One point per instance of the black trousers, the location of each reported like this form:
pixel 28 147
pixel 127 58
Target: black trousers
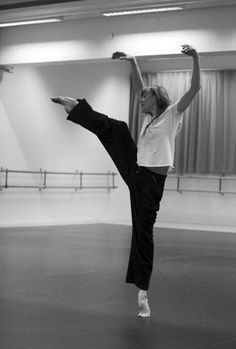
pixel 145 187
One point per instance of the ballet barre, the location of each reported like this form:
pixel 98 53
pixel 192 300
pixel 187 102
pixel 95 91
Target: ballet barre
pixel 219 184
pixel 43 178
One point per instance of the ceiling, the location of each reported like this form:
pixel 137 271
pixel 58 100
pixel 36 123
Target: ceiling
pixel 83 9
pixel 15 10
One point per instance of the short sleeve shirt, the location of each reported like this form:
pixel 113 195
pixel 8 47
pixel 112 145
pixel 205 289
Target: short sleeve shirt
pixel 156 145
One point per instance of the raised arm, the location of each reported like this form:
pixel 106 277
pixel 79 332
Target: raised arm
pixel 188 97
pixel 136 74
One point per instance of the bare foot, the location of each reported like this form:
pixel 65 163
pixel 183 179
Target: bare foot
pixel 143 304
pixel 68 102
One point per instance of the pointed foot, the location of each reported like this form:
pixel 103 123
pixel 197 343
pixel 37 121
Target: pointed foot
pixel 58 100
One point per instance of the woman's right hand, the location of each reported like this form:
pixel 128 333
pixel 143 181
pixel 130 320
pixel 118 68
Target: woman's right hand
pixel 122 56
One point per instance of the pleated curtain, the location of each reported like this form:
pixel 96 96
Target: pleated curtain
pixel 207 142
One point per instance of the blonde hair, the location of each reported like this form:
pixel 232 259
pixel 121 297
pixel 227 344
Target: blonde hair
pixel 162 96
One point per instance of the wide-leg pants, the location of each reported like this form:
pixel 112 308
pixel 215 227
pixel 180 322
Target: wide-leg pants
pixel 145 187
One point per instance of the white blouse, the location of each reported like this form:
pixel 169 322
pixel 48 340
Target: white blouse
pixel 156 145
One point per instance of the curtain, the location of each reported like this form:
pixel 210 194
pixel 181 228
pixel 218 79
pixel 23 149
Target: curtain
pixel 207 142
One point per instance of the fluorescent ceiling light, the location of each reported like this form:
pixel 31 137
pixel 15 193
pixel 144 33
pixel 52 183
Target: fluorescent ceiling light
pixel 35 21
pixel 136 12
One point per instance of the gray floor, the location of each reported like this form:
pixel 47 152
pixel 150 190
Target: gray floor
pixel 63 287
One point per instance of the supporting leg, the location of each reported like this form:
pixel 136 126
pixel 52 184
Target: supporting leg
pixel 145 193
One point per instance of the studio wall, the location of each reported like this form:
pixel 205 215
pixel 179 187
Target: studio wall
pixel 34 132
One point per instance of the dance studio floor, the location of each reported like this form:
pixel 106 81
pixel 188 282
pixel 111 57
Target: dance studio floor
pixel 63 287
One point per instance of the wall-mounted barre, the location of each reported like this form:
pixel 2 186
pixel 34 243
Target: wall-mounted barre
pixel 180 182
pixel 43 178
pixel 218 184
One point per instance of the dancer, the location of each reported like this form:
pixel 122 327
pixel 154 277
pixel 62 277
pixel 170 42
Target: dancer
pixel 143 168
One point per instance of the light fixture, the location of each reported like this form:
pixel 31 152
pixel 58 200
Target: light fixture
pixel 35 21
pixel 136 12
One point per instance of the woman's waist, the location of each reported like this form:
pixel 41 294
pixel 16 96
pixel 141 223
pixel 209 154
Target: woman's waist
pixel 158 169
pixel 147 171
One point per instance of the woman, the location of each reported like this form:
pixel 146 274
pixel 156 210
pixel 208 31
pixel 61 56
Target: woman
pixel 144 169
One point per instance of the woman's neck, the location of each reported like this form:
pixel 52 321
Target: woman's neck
pixel 157 113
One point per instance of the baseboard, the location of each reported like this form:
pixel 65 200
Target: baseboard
pixel 194 226
pixel 172 225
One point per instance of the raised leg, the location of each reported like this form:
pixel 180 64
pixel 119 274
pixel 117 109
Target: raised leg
pixel 113 134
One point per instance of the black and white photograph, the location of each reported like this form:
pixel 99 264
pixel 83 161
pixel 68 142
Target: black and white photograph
pixel 118 174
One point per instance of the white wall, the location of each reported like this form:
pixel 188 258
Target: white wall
pixel 34 133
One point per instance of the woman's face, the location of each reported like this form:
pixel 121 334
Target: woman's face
pixel 148 101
